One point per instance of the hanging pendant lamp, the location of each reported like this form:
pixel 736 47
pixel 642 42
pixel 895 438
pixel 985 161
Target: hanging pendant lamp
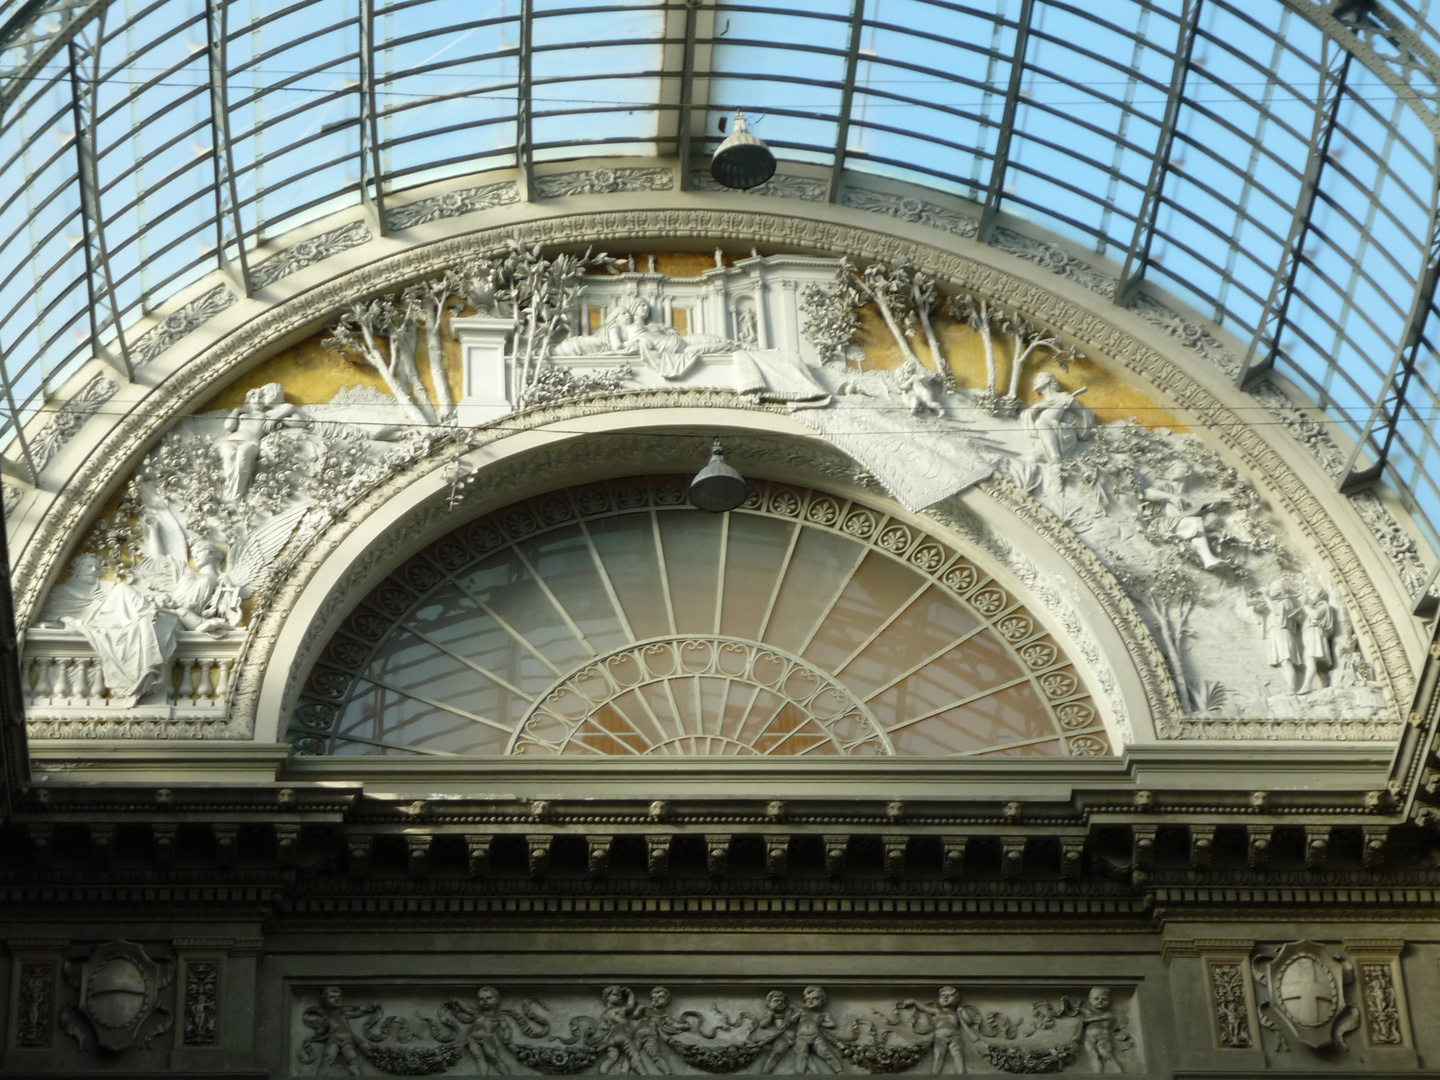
pixel 718 487
pixel 742 160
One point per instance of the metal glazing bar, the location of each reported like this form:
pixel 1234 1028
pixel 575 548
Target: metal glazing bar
pixel 1425 603
pixel 524 111
pixel 227 199
pixel 687 93
pixel 84 100
pixel 40 50
pixel 1334 71
pixel 372 180
pixel 1138 256
pixel 1385 415
pixel 996 190
pixel 847 97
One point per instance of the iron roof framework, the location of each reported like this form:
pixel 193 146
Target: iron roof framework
pixel 1272 162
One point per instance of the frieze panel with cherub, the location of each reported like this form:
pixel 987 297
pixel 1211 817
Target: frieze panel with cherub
pixel 487 1030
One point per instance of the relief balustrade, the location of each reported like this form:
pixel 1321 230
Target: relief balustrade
pixel 64 678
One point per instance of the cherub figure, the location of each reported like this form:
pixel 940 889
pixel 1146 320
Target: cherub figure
pixel 917 388
pixel 1103 1037
pixel 329 1023
pixel 780 1016
pixel 618 1021
pixel 656 1025
pixel 945 1028
pixel 486 1027
pixel 811 1024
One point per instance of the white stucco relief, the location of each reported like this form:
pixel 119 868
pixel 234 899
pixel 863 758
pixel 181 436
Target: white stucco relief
pixel 1192 543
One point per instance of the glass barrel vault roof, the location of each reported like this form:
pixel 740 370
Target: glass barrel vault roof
pixel 1232 152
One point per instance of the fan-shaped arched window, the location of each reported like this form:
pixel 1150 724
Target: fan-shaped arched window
pixel 615 619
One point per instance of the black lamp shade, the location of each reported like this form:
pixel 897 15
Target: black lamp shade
pixel 742 160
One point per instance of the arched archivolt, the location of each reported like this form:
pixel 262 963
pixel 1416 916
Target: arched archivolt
pixel 615 619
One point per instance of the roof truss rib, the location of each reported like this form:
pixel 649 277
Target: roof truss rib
pixel 687 93
pixel 227 199
pixel 525 105
pixel 85 92
pixel 847 97
pixel 1270 328
pixel 372 179
pixel 996 191
pixel 1378 436
pixel 1137 258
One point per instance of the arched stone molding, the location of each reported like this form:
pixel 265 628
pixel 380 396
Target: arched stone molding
pixel 91 467
pixel 539 451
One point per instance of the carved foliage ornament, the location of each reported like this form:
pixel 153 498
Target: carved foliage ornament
pixel 202 989
pixel 119 997
pixel 1231 1012
pixel 1302 988
pixel 37 999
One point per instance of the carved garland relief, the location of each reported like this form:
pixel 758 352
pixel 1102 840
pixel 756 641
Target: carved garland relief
pixel 1208 540
pixel 715 1030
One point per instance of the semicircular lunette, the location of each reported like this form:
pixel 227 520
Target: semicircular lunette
pixel 613 619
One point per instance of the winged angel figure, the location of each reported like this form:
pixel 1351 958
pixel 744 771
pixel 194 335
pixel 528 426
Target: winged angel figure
pixel 204 596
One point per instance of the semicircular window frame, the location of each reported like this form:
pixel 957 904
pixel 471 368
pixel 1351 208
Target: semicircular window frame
pixel 843 725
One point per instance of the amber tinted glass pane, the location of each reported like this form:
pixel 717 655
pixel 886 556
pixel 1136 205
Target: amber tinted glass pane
pixel 819 570
pixel 878 589
pixel 980 664
pixel 924 629
pixel 1013 715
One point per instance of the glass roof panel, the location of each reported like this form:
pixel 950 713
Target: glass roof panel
pixel 932 81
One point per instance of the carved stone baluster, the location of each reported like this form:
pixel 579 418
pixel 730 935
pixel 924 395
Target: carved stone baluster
pixel 95 676
pixel 222 688
pixel 205 691
pixel 189 683
pixel 39 667
pixel 75 681
pixel 171 682
pixel 60 687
